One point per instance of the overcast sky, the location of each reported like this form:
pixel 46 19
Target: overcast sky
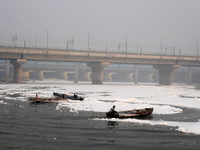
pixel 146 22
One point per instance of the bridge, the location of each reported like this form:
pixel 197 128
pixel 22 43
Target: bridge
pixel 97 61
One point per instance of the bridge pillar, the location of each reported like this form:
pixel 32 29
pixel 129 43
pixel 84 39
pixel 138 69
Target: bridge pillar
pixel 75 72
pixel 17 63
pixel 124 77
pixel 97 71
pixel 190 75
pixel 38 75
pixel 25 75
pixel 180 77
pixel 127 77
pixel 166 73
pixel 136 75
pixel 146 77
pixel 84 76
pixel 107 76
pixel 7 68
pixel 61 74
pixel 195 77
pixel 155 77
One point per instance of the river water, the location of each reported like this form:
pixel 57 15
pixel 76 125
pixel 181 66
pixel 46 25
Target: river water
pixel 174 124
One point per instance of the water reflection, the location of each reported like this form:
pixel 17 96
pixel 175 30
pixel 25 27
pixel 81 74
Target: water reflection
pixel 112 124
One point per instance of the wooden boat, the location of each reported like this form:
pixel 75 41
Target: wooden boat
pixel 47 99
pixel 76 97
pixel 136 113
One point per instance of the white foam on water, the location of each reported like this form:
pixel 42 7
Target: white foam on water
pixel 101 106
pixel 100 98
pixel 2 102
pixel 184 127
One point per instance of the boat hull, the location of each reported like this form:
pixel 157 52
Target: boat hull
pixel 68 96
pixel 136 113
pixel 46 100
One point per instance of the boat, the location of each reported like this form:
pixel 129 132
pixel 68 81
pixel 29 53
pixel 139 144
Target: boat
pixel 73 97
pixel 135 113
pixel 47 99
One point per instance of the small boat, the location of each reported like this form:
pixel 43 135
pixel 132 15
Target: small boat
pixel 136 113
pixel 47 99
pixel 73 97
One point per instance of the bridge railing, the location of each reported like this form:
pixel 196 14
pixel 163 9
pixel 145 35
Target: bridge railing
pixel 96 51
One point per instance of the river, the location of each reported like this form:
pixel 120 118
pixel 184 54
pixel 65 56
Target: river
pixel 174 124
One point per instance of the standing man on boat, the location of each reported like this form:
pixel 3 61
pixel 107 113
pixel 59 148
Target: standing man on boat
pixel 37 96
pixel 64 95
pixel 75 96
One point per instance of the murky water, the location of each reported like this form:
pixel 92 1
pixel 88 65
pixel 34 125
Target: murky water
pixel 83 125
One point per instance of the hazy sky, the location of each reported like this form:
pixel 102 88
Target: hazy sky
pixel 146 22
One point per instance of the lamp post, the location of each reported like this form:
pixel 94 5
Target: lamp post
pixel 166 50
pixel 35 40
pixel 197 49
pixel 47 39
pixel 67 45
pixel 161 45
pixel 126 44
pixel 88 42
pixel 119 47
pixel 14 40
pixel 170 47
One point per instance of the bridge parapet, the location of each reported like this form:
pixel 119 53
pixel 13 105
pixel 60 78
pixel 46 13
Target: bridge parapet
pixel 94 56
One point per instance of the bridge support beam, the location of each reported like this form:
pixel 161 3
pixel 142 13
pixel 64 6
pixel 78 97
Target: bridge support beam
pixel 123 77
pixel 166 73
pixel 17 63
pixel 38 75
pixel 7 68
pixel 97 71
pixel 180 77
pixel 84 76
pixel 146 77
pixel 75 72
pixel 107 76
pixel 190 75
pixel 61 74
pixel 25 75
pixel 136 75
pixel 126 77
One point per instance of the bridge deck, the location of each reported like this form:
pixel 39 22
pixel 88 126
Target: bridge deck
pixel 93 56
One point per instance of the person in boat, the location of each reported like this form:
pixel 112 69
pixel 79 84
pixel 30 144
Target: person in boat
pixel 37 96
pixel 75 96
pixel 64 95
pixel 113 109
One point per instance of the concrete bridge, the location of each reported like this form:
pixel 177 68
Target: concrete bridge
pixel 40 70
pixel 97 61
pixel 65 70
